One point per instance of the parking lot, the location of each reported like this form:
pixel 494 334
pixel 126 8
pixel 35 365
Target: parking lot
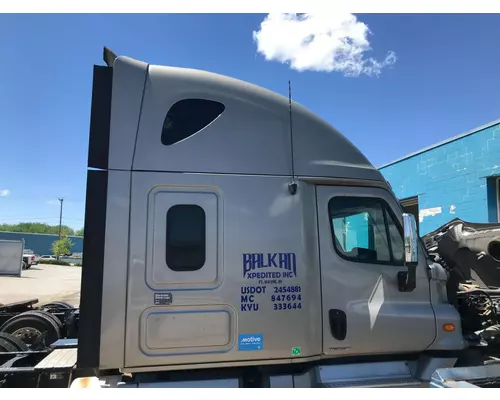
pixel 44 282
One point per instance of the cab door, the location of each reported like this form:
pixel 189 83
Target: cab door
pixel 361 253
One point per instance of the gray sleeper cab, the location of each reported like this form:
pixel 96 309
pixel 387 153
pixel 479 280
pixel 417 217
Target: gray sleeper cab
pixel 198 255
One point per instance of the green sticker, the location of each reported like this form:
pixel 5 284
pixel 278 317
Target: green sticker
pixel 295 351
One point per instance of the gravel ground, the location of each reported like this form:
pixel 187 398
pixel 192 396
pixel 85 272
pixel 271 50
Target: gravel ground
pixel 43 282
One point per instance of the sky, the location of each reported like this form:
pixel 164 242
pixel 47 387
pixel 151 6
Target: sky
pixel 392 84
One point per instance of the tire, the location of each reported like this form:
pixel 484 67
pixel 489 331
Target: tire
pixel 18 343
pixel 7 347
pixel 51 316
pixel 25 266
pixel 30 325
pixel 57 305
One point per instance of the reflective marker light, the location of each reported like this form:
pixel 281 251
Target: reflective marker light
pixel 448 327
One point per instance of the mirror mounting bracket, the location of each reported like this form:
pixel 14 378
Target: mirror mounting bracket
pixel 407 280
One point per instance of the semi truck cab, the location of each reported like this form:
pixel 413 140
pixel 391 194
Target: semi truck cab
pixel 232 232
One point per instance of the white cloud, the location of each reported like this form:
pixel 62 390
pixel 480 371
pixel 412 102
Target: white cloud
pixel 4 193
pixel 319 42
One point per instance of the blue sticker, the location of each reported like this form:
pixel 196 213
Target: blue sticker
pixel 250 342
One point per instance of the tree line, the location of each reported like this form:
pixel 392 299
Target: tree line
pixel 38 227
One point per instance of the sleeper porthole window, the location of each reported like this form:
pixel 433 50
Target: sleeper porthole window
pixel 187 117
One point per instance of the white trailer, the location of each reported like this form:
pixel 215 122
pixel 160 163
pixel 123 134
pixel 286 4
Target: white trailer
pixel 11 257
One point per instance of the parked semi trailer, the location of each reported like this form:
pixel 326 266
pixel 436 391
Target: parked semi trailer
pixel 11 257
pixel 222 248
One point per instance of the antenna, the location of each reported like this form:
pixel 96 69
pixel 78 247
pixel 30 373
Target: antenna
pixel 292 187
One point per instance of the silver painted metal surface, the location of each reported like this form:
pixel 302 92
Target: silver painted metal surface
pixel 345 182
pixel 379 374
pixel 423 368
pixel 237 169
pixel 255 122
pixel 445 312
pixel 393 369
pixel 251 215
pixel 114 290
pixel 11 257
pixel 209 365
pixel 380 318
pixel 376 374
pixel 129 77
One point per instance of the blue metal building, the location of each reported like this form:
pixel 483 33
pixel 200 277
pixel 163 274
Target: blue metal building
pixel 42 243
pixel 456 178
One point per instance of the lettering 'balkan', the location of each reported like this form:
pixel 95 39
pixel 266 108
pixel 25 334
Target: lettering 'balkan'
pixel 284 261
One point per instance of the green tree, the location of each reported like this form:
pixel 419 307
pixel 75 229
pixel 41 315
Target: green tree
pixel 79 232
pixel 36 227
pixel 62 246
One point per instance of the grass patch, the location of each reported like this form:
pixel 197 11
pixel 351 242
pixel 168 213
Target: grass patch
pixel 55 262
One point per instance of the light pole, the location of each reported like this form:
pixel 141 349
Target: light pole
pixel 60 216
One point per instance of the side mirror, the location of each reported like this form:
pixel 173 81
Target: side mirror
pixel 407 280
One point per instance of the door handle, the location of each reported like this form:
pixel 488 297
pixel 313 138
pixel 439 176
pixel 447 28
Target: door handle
pixel 338 323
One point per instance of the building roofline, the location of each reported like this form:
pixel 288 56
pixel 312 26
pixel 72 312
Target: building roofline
pixel 452 139
pixel 40 234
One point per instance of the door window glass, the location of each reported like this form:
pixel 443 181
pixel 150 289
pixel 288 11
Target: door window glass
pixel 364 230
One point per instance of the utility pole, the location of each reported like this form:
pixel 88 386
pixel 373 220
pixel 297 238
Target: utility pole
pixel 60 216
